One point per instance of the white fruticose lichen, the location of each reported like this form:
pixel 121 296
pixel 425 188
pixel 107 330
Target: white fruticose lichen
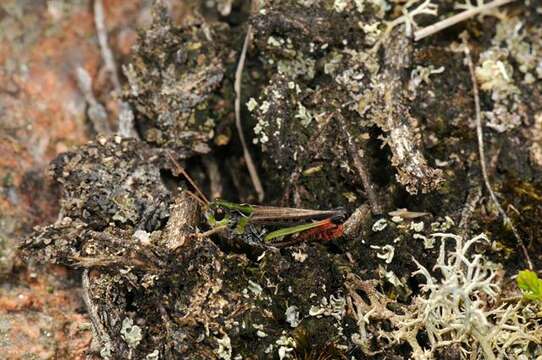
pixel 299 256
pixel 265 107
pixel 524 45
pixel 300 66
pixel 372 31
pixel 333 64
pixel 334 307
pixel 428 242
pixel 417 226
pixel 460 309
pixel 155 355
pixel 442 224
pixel 495 73
pixel 409 13
pixel 516 50
pixel 387 253
pixel 501 119
pixel 422 75
pixel 255 288
pixel 340 5
pixel 131 333
pixel 393 279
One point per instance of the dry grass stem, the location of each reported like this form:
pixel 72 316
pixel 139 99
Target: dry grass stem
pixel 452 20
pixel 96 112
pixel 481 152
pixel 357 158
pixel 126 115
pixel 254 177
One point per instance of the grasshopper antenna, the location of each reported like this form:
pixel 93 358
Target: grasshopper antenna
pixel 199 195
pixel 197 198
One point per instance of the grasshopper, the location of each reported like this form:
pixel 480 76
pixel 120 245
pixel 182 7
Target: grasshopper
pixel 252 223
pixel 304 224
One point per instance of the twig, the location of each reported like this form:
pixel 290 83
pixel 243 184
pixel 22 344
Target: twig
pixel 452 20
pixel 425 8
pixel 473 197
pixel 361 169
pixel 248 158
pixel 181 170
pixel 98 330
pixel 126 115
pixel 208 233
pixel 481 152
pixel 353 227
pixel 107 54
pixel 96 111
pixel 105 262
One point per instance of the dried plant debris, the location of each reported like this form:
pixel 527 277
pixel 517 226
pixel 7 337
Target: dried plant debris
pixel 318 78
pixel 151 287
pixel 394 118
pixel 176 83
pixel 112 184
pixel 113 180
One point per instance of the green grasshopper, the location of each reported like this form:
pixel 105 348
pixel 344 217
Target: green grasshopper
pixel 251 222
pixel 305 223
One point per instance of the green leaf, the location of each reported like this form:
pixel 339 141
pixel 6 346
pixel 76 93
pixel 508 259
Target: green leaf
pixel 530 285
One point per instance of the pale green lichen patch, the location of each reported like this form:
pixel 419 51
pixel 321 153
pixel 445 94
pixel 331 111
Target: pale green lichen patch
pixel 224 350
pixel 131 333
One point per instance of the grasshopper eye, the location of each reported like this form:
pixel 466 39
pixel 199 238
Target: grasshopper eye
pixel 219 214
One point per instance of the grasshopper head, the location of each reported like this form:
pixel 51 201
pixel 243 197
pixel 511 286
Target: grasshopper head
pixel 217 215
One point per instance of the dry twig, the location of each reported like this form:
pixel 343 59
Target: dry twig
pixel 361 169
pixel 248 158
pixel 107 54
pixel 481 153
pixel 126 115
pixel 96 111
pixel 455 19
pixel 99 331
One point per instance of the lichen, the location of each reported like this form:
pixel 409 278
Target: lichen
pixel 131 333
pixel 224 350
pixel 458 308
